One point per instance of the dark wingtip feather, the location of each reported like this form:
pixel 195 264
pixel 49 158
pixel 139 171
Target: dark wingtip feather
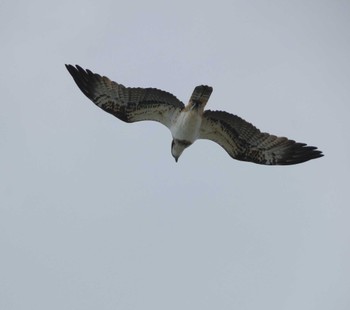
pixel 298 153
pixel 83 78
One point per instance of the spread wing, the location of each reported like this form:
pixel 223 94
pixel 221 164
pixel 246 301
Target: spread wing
pixel 126 103
pixel 243 141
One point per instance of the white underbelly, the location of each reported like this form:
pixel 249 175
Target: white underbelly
pixel 187 125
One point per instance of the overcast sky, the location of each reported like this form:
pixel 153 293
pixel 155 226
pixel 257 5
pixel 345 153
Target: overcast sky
pixel 96 214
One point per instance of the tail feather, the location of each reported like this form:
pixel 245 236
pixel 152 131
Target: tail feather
pixel 201 94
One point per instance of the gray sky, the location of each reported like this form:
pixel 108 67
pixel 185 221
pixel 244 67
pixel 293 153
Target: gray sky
pixel 96 214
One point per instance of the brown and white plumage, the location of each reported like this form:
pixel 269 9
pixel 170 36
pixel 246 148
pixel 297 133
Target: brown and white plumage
pixel 245 142
pixel 240 139
pixel 126 103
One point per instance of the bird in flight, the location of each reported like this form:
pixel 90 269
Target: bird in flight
pixel 187 123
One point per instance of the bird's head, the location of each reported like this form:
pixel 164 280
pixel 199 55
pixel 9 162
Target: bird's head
pixel 177 147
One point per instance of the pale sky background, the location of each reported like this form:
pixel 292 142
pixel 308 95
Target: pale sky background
pixel 96 214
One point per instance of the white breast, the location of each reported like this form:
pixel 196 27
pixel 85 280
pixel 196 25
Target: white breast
pixel 186 126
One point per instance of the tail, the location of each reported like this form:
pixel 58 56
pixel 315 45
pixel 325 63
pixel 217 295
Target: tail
pixel 201 95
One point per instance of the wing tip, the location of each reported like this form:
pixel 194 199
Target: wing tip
pixel 299 153
pixel 83 78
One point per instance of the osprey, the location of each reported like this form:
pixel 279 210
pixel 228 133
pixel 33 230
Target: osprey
pixel 240 139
